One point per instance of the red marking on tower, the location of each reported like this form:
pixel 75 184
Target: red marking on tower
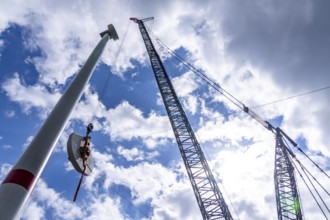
pixel 20 177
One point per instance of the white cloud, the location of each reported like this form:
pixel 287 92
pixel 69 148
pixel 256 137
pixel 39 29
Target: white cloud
pixel 130 154
pixel 47 198
pixel 247 174
pixel 148 182
pixel 126 122
pixel 89 109
pixel 146 175
pixel 33 211
pixel 6 146
pixel 168 193
pixel 104 208
pixel 185 84
pixel 231 132
pixel 29 97
pixel 178 202
pixel 10 113
pixel 191 104
pixel 4 169
pixel 272 50
pixel 135 154
pixel 61 35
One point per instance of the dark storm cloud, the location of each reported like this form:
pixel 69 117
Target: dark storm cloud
pixel 289 39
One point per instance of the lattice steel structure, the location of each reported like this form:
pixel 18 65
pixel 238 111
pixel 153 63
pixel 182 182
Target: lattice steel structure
pixel 207 192
pixel 287 195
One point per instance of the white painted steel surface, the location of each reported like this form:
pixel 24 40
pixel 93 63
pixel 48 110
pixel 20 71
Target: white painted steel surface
pixel 12 195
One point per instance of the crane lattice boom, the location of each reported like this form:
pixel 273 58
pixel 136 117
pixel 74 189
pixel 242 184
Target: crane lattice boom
pixel 287 196
pixel 207 192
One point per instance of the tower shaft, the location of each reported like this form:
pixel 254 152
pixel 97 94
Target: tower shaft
pixel 210 200
pixel 20 181
pixel 287 196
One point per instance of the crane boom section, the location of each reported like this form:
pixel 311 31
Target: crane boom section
pixel 207 192
pixel 287 196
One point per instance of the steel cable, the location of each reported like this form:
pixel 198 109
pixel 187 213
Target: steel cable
pixel 218 88
pixel 309 190
pixel 109 74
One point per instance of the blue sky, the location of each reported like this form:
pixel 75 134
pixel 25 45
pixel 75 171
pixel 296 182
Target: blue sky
pixel 259 51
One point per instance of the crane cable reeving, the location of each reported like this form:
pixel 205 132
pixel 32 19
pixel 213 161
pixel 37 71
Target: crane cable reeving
pixel 303 167
pixel 283 99
pixel 90 125
pixel 304 171
pixel 191 67
pixel 243 107
pixel 203 76
pixel 180 59
pixel 109 74
pixel 316 191
pixel 310 191
pixel 217 87
pixel 291 97
pixel 303 153
pixel 188 65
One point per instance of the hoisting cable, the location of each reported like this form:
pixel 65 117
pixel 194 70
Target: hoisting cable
pixel 304 168
pixel 316 190
pixel 235 101
pixel 205 78
pixel 296 146
pixel 281 100
pixel 109 73
pixel 85 153
pixel 291 97
pixel 310 191
pixel 216 86
pixel 212 83
pixel 284 99
pixel 310 181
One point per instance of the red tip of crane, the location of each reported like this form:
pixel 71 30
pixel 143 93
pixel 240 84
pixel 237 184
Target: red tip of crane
pixel 133 19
